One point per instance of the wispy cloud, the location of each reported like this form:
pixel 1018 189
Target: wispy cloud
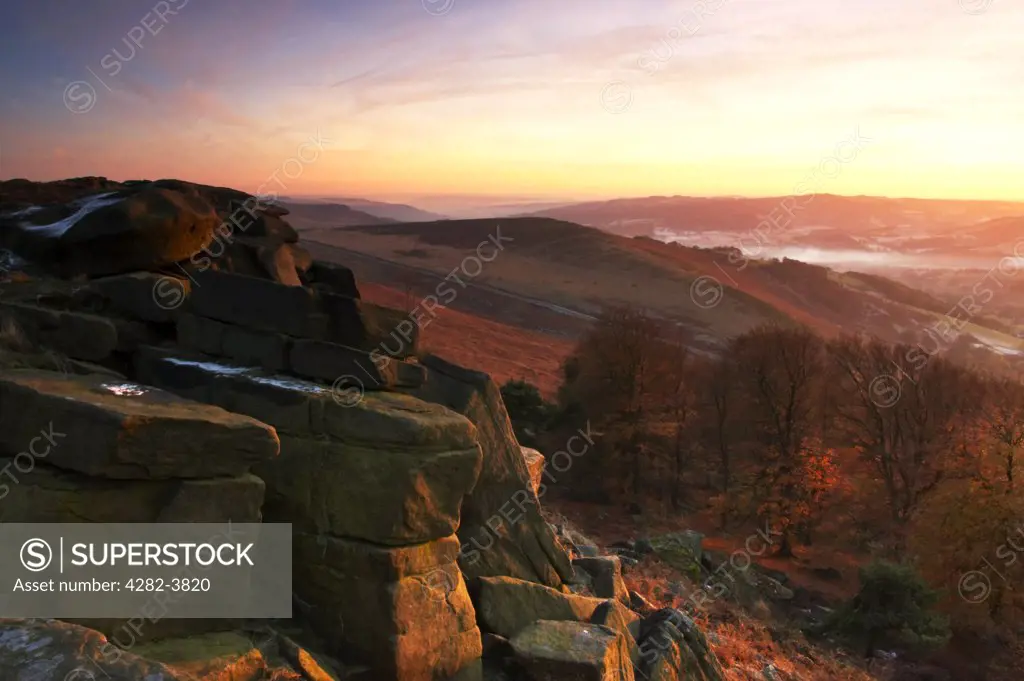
pixel 497 97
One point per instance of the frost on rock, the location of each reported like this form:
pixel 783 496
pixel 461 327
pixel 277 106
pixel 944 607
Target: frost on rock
pixel 86 206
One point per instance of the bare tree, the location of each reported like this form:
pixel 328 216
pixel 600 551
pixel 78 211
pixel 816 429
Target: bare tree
pixel 902 419
pixel 617 373
pixel 680 399
pixel 778 372
pixel 714 402
pixel 1003 417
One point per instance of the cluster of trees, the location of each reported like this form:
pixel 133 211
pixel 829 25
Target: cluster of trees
pixel 897 451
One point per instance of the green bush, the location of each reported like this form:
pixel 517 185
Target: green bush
pixel 529 412
pixel 893 607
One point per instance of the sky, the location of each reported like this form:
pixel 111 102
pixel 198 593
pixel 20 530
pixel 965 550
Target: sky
pixel 525 99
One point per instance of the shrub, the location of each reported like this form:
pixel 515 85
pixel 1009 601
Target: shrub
pixel 894 606
pixel 527 409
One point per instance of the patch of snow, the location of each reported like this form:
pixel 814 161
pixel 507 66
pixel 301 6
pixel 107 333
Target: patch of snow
pixel 86 206
pixel 289 383
pixel 24 211
pixel 223 369
pixel 252 374
pixel 125 389
pixel 16 639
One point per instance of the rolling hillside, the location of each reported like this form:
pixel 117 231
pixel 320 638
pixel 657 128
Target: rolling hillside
pixel 394 212
pixel 714 293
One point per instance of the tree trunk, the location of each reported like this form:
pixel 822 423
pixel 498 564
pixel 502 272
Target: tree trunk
pixel 678 484
pixel 786 544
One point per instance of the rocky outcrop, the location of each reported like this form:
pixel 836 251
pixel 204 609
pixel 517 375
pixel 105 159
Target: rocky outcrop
pixel 606 577
pixel 534 466
pixel 374 490
pixel 507 605
pixel 256 655
pixel 673 648
pixel 45 494
pixel 554 651
pixel 78 335
pixel 57 651
pixel 376 493
pixel 618 617
pixel 502 531
pixel 135 228
pixel 403 610
pixel 91 449
pixel 139 295
pixel 682 550
pixel 36 650
pixel 300 312
pixel 377 503
pixel 206 369
pixel 127 430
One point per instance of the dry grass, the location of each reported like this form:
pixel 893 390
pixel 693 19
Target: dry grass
pixel 505 352
pixel 745 642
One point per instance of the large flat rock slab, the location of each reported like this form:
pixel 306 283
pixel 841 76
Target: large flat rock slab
pixel 79 335
pixel 146 229
pixel 253 348
pixel 123 430
pixel 319 360
pixel 508 605
pixel 380 493
pixel 38 493
pixel 148 296
pixel 303 313
pixel 259 304
pixel 290 405
pixel 305 407
pixel 557 651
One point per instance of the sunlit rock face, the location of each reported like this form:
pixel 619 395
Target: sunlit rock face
pixel 503 532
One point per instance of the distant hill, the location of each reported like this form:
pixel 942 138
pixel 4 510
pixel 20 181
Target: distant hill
pixel 824 221
pixel 305 216
pixel 398 212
